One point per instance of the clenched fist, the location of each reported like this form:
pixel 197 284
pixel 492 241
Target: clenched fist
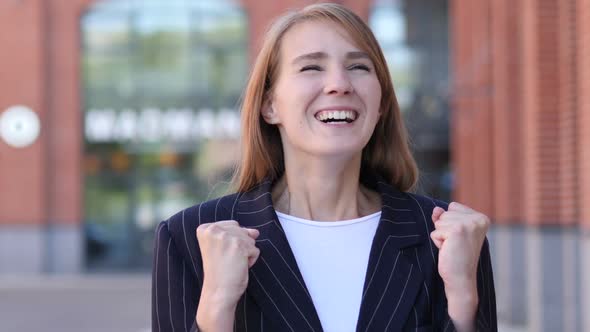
pixel 228 251
pixel 459 235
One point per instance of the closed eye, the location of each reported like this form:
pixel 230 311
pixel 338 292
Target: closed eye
pixel 310 67
pixel 360 67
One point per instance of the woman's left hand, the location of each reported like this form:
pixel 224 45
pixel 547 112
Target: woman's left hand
pixel 459 235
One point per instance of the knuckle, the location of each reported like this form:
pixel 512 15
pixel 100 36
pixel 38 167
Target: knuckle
pixel 203 227
pixel 251 242
pixel 485 227
pixel 229 222
pixel 234 243
pixel 225 236
pixel 219 235
pixel 461 229
pixel 482 220
pixel 205 230
pixel 200 230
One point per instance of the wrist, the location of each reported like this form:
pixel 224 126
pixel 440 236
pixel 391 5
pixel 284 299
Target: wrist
pixel 462 309
pixel 461 290
pixel 219 298
pixel 466 304
pixel 215 312
pixel 462 300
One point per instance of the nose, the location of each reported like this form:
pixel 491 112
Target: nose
pixel 338 83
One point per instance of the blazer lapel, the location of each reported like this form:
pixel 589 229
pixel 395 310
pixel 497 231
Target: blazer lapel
pixel 275 282
pixel 392 280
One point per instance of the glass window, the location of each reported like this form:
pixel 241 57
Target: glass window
pixel 161 82
pixel 414 37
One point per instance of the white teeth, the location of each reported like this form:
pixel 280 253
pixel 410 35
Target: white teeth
pixel 336 115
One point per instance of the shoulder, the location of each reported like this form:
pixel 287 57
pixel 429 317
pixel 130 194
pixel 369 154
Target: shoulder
pixel 221 208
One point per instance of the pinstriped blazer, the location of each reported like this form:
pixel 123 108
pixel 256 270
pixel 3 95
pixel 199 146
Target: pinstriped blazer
pixel 402 291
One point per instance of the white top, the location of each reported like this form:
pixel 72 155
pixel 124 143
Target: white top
pixel 332 257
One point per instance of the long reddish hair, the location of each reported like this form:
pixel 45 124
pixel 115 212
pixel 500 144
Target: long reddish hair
pixel 387 154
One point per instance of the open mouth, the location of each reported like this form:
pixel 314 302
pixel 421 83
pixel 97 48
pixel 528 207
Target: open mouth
pixel 337 116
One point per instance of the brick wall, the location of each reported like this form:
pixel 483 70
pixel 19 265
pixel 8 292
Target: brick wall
pixel 471 124
pixel 519 77
pixel 40 52
pixel 22 76
pixel 583 106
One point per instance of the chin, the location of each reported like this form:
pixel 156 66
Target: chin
pixel 348 150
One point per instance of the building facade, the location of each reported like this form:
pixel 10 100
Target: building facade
pixel 134 102
pixel 124 95
pixel 521 150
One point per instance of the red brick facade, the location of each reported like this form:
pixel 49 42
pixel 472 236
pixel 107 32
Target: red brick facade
pixel 41 70
pixel 22 77
pixel 520 144
pixel 583 106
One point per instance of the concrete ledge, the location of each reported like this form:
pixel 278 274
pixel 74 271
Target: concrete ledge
pixel 66 249
pixel 21 250
pixel 540 275
pixel 37 249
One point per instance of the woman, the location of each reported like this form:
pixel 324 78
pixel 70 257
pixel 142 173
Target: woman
pixel 322 234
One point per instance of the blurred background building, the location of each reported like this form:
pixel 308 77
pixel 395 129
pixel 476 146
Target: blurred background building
pixel 115 114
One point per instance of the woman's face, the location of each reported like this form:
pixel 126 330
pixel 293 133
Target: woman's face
pixel 326 98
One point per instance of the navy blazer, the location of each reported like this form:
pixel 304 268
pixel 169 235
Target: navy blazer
pixel 402 291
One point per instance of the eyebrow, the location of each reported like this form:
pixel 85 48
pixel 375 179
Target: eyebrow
pixel 322 55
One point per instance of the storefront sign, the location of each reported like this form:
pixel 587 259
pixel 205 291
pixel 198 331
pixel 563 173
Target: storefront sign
pixel 153 125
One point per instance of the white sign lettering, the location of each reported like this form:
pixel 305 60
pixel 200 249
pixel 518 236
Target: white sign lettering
pixel 152 125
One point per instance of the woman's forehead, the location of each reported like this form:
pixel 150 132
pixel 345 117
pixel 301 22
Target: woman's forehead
pixel 317 39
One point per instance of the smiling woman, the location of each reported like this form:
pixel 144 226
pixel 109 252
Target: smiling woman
pixel 322 233
pixel 337 79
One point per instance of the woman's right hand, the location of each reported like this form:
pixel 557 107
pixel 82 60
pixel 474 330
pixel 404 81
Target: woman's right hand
pixel 228 251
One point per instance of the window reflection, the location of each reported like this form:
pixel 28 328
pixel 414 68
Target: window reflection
pixel 161 82
pixel 414 37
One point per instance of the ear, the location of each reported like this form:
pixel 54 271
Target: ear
pixel 268 113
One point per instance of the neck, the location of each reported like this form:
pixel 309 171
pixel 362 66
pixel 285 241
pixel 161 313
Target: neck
pixel 327 191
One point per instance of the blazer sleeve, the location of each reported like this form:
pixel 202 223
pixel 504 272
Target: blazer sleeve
pixel 486 319
pixel 175 290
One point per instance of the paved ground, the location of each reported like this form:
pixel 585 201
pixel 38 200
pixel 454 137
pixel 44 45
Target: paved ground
pixel 81 304
pixel 75 304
